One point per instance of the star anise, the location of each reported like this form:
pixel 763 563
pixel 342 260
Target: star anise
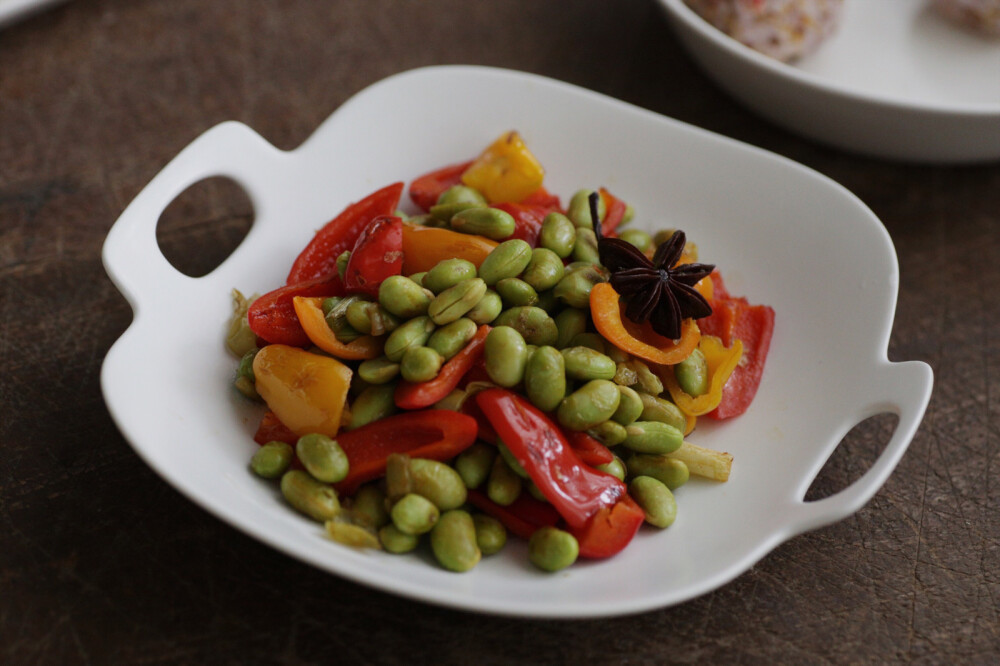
pixel 656 291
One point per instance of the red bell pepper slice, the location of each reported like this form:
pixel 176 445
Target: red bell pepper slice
pixel 377 254
pixel 417 395
pixel 272 316
pixel 522 516
pixel 589 449
pixel 527 220
pixel 733 318
pixel 614 213
pixel 610 530
pixel 577 491
pixel 437 434
pixel 271 429
pixel 486 431
pixel 425 190
pixel 542 198
pixel 319 258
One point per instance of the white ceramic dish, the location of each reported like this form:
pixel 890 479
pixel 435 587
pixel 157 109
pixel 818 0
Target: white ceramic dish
pixel 896 81
pixel 783 234
pixel 15 10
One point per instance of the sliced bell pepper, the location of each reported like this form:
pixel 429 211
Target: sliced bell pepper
pixel 377 254
pixel 522 517
pixel 589 449
pixel 528 220
pixel 319 258
pixel 310 314
pixel 425 190
pixel 608 532
pixel 272 317
pixel 505 171
pixel 576 490
pixel 436 434
pixel 638 339
pixel 307 392
pixel 544 199
pixel 486 431
pixel 271 429
pixel 417 395
pixel 753 325
pixel 721 360
pixel 424 247
pixel 615 208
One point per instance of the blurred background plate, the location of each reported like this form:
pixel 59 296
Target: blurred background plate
pixel 895 81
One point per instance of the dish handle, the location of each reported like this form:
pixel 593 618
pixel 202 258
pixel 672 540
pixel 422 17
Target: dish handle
pixel 903 389
pixel 131 254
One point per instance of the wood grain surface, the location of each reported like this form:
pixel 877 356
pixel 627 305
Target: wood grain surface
pixel 102 562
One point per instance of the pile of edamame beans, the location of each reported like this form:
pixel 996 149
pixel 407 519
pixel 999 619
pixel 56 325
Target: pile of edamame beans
pixel 542 344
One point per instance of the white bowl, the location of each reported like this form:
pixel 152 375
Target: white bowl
pixel 896 81
pixel 781 233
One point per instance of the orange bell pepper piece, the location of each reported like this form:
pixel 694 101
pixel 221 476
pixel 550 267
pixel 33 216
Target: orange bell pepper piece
pixel 306 391
pixel 505 171
pixel 424 247
pixel 310 314
pixel 638 339
pixel 721 363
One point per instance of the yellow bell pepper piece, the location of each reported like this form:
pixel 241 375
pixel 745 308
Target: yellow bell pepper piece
pixel 309 310
pixel 721 363
pixel 505 171
pixel 306 391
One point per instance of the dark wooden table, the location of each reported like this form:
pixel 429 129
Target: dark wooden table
pixel 103 562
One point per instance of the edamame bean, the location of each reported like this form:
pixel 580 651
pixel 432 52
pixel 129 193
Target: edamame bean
pixel 506 260
pixel 547 301
pixel 452 303
pixel 655 408
pixel 534 324
pixel 342 261
pixel 692 374
pixel 351 535
pixel 503 485
pixel 447 273
pixel 506 356
pixel 453 541
pixel 374 403
pixel 579 208
pixel 625 375
pixel 309 496
pixel 646 379
pixel 585 248
pixel 330 303
pixel 271 460
pixel 336 319
pixel 452 338
pixel 414 514
pixel 487 309
pixel 445 212
pixel 511 461
pixel 671 472
pixel 490 222
pixel 378 370
pixel 534 491
pixel 357 316
pixel 609 433
pixel 616 354
pixel 545 378
pixel 544 270
pixel 629 407
pixel 368 508
pixel 491 535
pixel 652 437
pixel 398 482
pixel 574 288
pixel 420 364
pixel 552 549
pixel 438 482
pixel 322 457
pixel 589 340
pixel 413 333
pixel 419 278
pixel 453 401
pixel 615 468
pixel 638 238
pixel 593 403
pixel 516 292
pixel 403 297
pixel 569 323
pixel 396 541
pixel 557 234
pixel 460 194
pixel 474 463
pixel 585 364
pixel 656 500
